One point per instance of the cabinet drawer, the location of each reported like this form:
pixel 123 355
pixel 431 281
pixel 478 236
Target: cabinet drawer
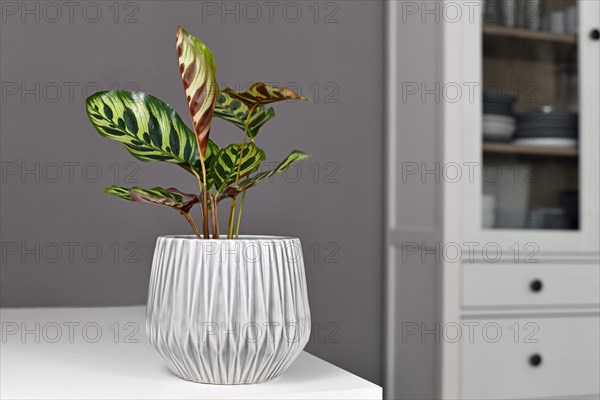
pixel 513 285
pixel 567 350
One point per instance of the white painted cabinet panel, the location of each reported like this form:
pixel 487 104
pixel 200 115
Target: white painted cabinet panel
pixel 567 350
pixel 522 285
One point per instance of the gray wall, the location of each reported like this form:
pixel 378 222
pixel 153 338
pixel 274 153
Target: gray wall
pixel 45 68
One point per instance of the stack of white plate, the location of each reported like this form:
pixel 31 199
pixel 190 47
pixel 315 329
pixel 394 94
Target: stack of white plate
pixel 488 215
pixel 498 128
pixel 498 119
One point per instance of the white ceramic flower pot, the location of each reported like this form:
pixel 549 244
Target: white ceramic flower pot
pixel 228 311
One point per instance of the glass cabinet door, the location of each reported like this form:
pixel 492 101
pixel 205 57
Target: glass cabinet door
pixel 530 115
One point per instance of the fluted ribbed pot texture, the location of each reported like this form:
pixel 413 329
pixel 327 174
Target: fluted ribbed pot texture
pixel 228 311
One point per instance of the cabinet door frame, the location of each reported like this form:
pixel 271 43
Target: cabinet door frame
pixel 582 242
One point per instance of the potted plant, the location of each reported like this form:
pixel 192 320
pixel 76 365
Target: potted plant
pixel 222 308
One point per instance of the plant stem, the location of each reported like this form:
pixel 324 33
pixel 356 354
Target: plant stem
pixel 192 223
pixel 231 218
pixel 215 217
pixel 237 175
pixel 204 199
pixel 239 221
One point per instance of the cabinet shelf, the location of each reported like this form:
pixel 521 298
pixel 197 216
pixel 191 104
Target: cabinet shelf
pixel 509 148
pixel 529 34
pixel 500 42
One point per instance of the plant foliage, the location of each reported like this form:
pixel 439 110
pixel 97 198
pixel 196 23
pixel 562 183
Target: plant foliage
pixel 151 130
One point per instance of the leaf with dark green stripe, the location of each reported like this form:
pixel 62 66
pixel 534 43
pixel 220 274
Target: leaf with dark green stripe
pixel 233 110
pixel 119 115
pixel 246 184
pixel 148 128
pixel 118 191
pixel 170 197
pixel 224 167
pixel 260 93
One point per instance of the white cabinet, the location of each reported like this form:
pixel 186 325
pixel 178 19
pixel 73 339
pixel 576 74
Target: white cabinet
pixel 537 184
pixel 522 286
pixel 493 197
pixel 522 358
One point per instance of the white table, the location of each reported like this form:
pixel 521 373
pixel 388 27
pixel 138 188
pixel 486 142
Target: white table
pixel 87 353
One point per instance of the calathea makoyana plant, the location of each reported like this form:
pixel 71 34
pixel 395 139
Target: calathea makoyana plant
pixel 152 131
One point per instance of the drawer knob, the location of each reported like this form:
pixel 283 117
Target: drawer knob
pixel 595 34
pixel 536 285
pixel 535 360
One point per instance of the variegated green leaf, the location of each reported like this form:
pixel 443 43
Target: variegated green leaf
pixel 118 191
pixel 211 151
pixel 148 127
pixel 246 184
pixel 198 74
pixel 235 111
pixel 260 93
pixel 170 197
pixel 224 167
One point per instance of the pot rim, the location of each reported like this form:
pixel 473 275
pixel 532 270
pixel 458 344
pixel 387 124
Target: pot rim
pixel 254 238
